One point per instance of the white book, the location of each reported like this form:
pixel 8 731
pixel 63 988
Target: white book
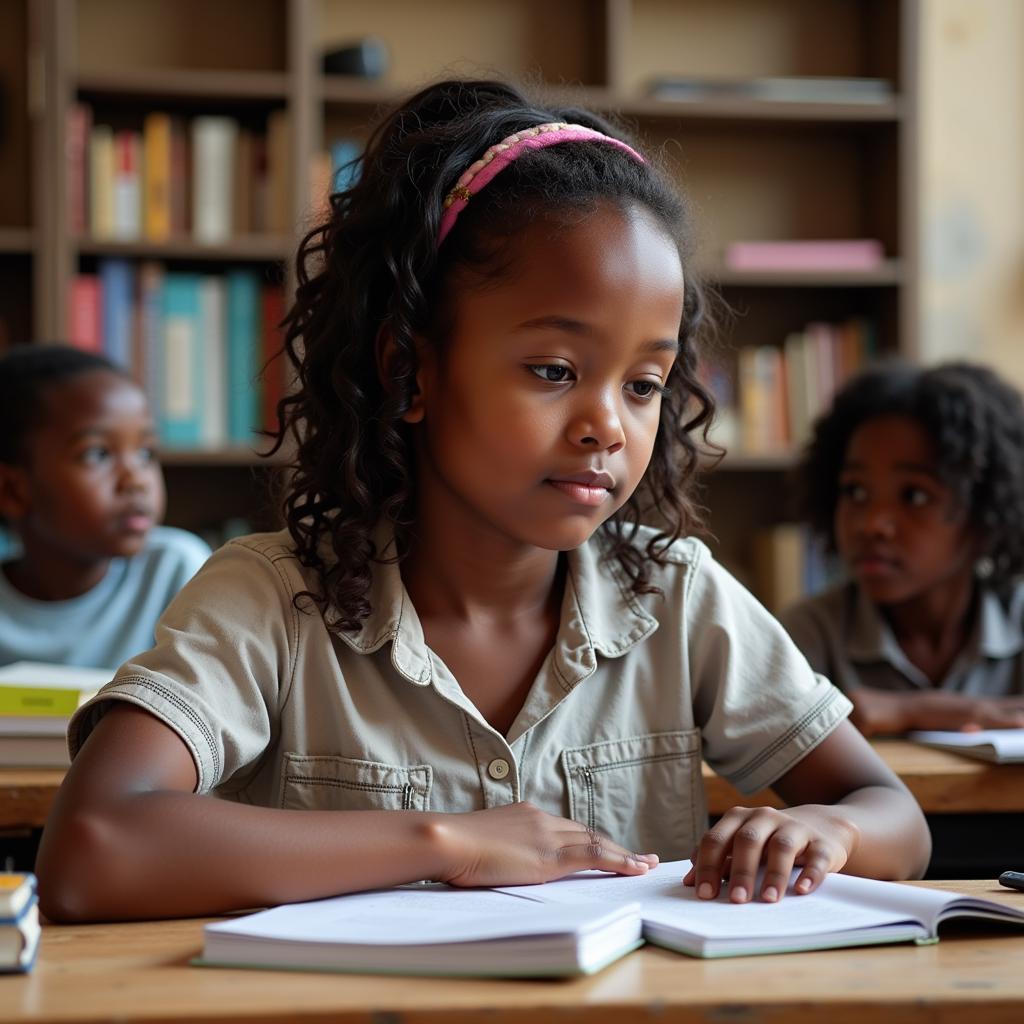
pixel 34 751
pixel 428 930
pixel 213 158
pixel 577 925
pixel 213 316
pixel 842 911
pixel 37 700
pixel 1003 746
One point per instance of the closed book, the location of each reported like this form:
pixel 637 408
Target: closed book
pixel 156 149
pixel 1001 746
pixel 244 170
pixel 244 345
pixel 181 361
pixel 779 565
pixel 275 361
pixel 826 255
pixel 85 315
pixel 101 182
pixel 279 217
pixel 19 922
pixel 213 157
pixel 181 179
pixel 821 338
pixel 345 154
pixel 40 690
pixel 76 154
pixel 213 303
pixel 117 283
pixel 127 199
pixel 799 410
pixel 40 751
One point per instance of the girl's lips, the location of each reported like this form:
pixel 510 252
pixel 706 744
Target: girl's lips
pixel 582 494
pixel 874 566
pixel 137 522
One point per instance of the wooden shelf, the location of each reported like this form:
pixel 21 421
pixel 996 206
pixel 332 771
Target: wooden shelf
pixel 220 457
pixel 890 273
pixel 17 241
pixel 172 83
pixel 250 248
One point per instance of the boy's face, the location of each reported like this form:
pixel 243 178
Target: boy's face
pixel 898 526
pixel 90 486
pixel 539 418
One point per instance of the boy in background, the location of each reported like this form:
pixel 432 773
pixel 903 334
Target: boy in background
pixel 81 491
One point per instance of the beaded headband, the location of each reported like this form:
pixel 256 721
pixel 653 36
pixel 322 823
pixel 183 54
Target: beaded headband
pixel 500 155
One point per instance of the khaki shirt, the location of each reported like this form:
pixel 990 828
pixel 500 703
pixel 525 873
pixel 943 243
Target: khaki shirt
pixel 278 711
pixel 846 639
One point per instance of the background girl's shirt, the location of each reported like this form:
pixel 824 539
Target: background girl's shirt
pixel 844 637
pixel 278 711
pixel 109 623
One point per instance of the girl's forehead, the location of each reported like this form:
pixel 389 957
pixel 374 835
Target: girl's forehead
pixel 97 395
pixel 895 438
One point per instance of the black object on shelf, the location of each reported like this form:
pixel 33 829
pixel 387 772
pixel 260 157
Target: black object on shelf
pixel 367 58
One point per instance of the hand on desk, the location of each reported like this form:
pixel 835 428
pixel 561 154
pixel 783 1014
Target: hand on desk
pixel 882 711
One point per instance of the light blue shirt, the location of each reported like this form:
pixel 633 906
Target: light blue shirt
pixel 107 625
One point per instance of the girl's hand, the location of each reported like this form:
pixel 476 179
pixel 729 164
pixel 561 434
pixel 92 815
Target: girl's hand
pixel 521 845
pixel 881 711
pixel 812 836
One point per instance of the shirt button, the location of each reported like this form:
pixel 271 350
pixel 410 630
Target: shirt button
pixel 498 768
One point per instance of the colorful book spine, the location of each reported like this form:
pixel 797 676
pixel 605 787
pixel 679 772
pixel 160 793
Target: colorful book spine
pixel 150 319
pixel 156 147
pixel 117 285
pixel 213 155
pixel 101 182
pixel 214 416
pixel 127 191
pixel 85 315
pixel 79 127
pixel 274 360
pixel 243 347
pixel 851 254
pixel 180 413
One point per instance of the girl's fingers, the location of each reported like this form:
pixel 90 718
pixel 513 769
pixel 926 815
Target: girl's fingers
pixel 714 849
pixel 590 850
pixel 750 844
pixel 817 863
pixel 783 849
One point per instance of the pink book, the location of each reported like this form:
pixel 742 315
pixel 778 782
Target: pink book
pixel 76 153
pixel 85 327
pixel 836 254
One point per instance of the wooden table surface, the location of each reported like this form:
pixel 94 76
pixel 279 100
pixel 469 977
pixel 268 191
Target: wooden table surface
pixel 141 972
pixel 942 783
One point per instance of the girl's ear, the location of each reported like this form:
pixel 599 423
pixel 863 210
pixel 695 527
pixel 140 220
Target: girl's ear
pixel 387 357
pixel 14 492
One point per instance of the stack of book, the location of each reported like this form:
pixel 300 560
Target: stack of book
pixel 201 345
pixel 783 89
pixel 19 922
pixel 36 703
pixel 210 178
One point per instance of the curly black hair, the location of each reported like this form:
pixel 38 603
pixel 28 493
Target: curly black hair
pixel 374 266
pixel 975 420
pixel 26 373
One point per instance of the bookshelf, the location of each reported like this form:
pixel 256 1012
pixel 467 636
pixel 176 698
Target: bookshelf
pixel 753 168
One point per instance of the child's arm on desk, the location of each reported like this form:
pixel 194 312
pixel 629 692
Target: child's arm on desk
pixel 848 811
pixel 888 712
pixel 128 838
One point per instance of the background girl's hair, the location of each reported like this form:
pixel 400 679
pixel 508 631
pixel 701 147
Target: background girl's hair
pixel 26 372
pixel 374 266
pixel 975 420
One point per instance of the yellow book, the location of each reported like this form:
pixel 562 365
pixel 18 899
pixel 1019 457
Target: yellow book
pixel 101 182
pixel 156 163
pixel 33 692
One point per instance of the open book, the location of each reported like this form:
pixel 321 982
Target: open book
pixel 577 925
pixel 1003 746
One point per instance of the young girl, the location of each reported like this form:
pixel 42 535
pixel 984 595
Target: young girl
pixel 464 660
pixel 81 491
pixel 916 478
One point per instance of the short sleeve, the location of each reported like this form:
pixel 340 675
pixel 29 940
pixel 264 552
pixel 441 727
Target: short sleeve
pixel 222 664
pixel 802 625
pixel 759 705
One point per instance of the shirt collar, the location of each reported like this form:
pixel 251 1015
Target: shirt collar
pixel 600 614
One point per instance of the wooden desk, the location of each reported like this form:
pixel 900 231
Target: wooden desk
pixel 141 972
pixel 943 783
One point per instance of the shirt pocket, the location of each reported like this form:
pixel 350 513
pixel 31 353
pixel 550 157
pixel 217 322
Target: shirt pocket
pixel 644 792
pixel 328 782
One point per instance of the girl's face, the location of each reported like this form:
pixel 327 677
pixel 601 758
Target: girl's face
pixel 898 527
pixel 92 487
pixel 539 418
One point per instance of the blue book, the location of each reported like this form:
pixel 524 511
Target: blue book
pixel 344 166
pixel 19 921
pixel 181 362
pixel 117 286
pixel 243 362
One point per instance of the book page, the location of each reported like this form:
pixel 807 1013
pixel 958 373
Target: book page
pixel 418 915
pixel 841 903
pixel 1007 743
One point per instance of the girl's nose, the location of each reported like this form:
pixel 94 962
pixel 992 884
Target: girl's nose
pixel 598 426
pixel 878 521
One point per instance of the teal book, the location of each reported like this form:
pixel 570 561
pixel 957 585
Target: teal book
pixel 244 344
pixel 180 406
pixel 117 284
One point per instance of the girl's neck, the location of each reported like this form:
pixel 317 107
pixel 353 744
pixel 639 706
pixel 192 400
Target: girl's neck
pixel 48 575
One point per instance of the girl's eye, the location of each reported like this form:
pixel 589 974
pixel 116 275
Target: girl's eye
pixel 647 389
pixel 147 456
pixel 852 491
pixel 916 497
pixel 94 456
pixel 552 373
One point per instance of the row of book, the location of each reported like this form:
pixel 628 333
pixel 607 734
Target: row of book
pixel 787 564
pixel 201 345
pixel 210 178
pixel 769 405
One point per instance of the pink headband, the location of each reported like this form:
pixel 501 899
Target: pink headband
pixel 500 155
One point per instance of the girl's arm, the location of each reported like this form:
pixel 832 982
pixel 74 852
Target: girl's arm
pixel 848 812
pixel 883 711
pixel 128 838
